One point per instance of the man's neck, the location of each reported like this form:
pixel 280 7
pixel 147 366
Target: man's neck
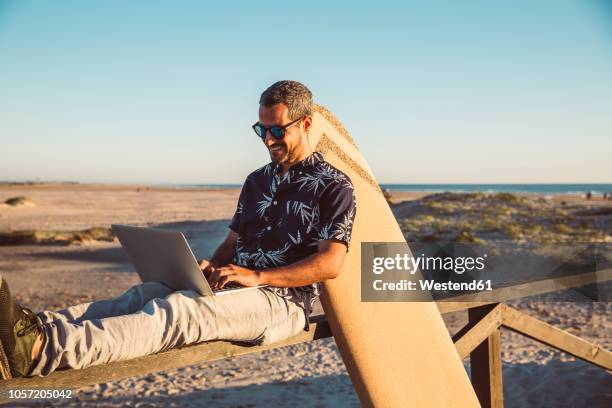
pixel 287 165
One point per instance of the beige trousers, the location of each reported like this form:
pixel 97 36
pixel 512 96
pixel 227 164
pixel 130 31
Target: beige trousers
pixel 150 317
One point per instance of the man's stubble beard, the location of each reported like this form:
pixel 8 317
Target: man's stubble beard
pixel 287 158
pixel 292 153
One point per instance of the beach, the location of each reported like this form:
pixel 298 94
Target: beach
pixel 64 272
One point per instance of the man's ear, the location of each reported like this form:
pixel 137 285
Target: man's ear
pixel 307 123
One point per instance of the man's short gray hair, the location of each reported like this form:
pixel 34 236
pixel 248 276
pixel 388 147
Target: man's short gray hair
pixel 293 94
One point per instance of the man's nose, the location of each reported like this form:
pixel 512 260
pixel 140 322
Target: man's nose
pixel 269 139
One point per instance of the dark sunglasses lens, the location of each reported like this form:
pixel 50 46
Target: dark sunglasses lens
pixel 277 132
pixel 260 130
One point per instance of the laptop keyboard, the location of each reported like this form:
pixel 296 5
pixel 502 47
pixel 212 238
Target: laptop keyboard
pixel 229 286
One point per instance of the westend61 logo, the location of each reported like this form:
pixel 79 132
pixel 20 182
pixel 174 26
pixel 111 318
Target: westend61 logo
pixel 412 264
pixel 421 271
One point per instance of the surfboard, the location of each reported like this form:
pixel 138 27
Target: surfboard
pixel 398 354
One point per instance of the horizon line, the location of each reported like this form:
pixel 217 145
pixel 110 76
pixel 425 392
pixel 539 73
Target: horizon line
pixel 163 183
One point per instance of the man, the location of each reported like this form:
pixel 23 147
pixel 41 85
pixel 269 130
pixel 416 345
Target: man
pixel 290 231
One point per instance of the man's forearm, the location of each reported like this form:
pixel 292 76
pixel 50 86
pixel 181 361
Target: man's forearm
pixel 222 256
pixel 225 252
pixel 315 268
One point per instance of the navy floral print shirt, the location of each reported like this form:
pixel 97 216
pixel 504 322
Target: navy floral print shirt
pixel 281 219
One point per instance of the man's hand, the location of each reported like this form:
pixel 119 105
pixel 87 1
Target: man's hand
pixel 207 268
pixel 234 273
pixel 222 255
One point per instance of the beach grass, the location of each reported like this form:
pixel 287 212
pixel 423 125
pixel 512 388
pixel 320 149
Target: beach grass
pixel 38 237
pixel 480 218
pixel 15 201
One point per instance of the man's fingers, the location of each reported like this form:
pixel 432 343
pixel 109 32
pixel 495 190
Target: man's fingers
pixel 223 276
pixel 217 274
pixel 214 276
pixel 225 280
pixel 206 268
pixel 225 271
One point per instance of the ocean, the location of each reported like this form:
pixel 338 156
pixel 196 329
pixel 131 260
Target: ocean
pixel 507 188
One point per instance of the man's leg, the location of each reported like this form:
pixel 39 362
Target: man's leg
pixel 258 316
pixel 129 302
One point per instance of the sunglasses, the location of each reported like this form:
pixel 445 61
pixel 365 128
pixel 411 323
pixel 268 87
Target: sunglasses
pixel 278 132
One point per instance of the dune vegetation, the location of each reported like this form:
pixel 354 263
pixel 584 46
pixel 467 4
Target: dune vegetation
pixel 16 201
pixel 481 218
pixel 56 237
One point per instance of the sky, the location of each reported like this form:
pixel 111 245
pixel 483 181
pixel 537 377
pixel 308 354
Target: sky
pixel 431 91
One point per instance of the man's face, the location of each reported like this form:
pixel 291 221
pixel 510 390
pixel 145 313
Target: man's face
pixel 290 148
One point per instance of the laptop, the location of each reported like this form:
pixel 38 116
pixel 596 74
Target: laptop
pixel 165 256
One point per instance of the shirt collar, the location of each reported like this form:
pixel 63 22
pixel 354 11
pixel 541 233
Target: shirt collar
pixel 311 161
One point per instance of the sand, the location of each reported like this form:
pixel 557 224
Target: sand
pixel 308 375
pixel 71 207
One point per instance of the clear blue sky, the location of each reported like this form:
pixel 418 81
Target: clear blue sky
pixel 432 91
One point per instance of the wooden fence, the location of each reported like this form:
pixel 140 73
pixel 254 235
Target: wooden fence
pixel 479 340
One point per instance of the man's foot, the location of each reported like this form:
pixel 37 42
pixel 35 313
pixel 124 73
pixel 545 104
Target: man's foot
pixel 20 329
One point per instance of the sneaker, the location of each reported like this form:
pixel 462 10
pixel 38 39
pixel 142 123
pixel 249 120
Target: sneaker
pixel 19 329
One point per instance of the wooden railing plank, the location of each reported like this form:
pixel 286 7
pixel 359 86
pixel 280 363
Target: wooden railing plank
pixel 449 307
pixel 552 336
pixel 527 289
pixel 175 358
pixel 476 331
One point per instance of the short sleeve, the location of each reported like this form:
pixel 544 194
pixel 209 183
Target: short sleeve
pixel 235 223
pixel 337 208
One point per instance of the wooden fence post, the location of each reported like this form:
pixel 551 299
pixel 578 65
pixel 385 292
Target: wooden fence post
pixel 486 365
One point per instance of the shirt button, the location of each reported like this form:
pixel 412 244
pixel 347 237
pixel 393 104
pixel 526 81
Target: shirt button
pixel 268 228
pixel 275 202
